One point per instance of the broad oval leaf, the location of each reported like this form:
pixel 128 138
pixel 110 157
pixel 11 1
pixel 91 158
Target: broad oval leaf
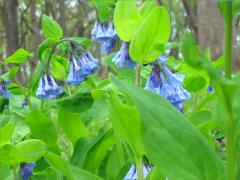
pixel 126 19
pixel 18 56
pixel 51 28
pixel 152 34
pixel 32 149
pixel 172 143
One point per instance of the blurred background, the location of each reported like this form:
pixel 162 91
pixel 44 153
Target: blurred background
pixel 20 25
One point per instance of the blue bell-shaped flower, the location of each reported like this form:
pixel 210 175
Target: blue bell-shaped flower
pixel 26 170
pixel 122 58
pixel 4 92
pixel 132 173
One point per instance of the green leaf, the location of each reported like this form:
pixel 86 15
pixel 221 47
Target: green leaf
pixel 12 72
pixel 18 56
pixel 152 34
pixel 10 154
pixel 6 133
pixel 124 118
pixel 41 127
pixel 200 117
pixel 126 19
pixel 72 125
pixel 98 152
pixel 44 45
pixel 172 143
pixel 104 9
pixel 58 164
pixel 51 28
pixel 77 103
pixel 32 149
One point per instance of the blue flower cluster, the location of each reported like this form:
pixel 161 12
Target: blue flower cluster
pixel 81 67
pixel 26 170
pixel 163 82
pixel 122 58
pixel 132 173
pixel 105 35
pixel 48 88
pixel 4 92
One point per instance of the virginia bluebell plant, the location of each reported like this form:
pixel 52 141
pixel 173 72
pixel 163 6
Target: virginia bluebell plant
pixel 132 173
pixel 105 35
pixel 26 170
pixel 122 58
pixel 81 65
pixel 163 82
pixel 4 92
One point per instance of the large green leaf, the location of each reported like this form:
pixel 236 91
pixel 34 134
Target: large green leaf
pixel 6 133
pixel 18 56
pixel 51 28
pixel 72 125
pixel 58 164
pixel 147 6
pixel 126 19
pixel 41 127
pixel 124 118
pixel 32 149
pixel 172 143
pixel 10 154
pixel 152 34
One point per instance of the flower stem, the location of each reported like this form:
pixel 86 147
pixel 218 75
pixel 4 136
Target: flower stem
pixel 231 151
pixel 139 168
pixel 138 75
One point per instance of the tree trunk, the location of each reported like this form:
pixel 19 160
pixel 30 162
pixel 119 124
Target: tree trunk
pixel 10 23
pixel 210 28
pixel 62 16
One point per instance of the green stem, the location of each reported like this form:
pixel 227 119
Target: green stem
pixel 139 168
pixel 228 39
pixel 138 75
pixel 231 153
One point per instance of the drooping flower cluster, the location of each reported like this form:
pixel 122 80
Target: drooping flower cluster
pixel 105 35
pixel 163 82
pixel 26 170
pixel 48 88
pixel 4 92
pixel 81 66
pixel 122 58
pixel 82 63
pixel 132 173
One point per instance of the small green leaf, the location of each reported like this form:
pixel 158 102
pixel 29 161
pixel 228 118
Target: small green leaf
pixel 104 9
pixel 44 45
pixel 12 72
pixel 10 154
pixel 152 34
pixel 51 28
pixel 6 133
pixel 59 67
pixel 32 149
pixel 126 19
pixel 18 56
